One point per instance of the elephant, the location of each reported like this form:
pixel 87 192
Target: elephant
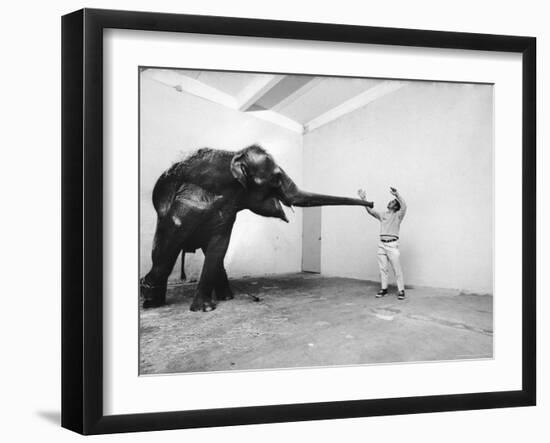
pixel 197 201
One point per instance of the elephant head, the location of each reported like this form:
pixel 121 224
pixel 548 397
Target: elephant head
pixel 267 186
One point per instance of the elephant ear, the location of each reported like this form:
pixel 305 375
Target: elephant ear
pixel 238 168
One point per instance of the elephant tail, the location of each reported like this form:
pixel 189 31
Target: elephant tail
pixel 163 194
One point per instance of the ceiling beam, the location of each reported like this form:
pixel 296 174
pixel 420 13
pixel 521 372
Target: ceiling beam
pixel 279 120
pixel 256 89
pixel 292 97
pixel 183 83
pixel 370 95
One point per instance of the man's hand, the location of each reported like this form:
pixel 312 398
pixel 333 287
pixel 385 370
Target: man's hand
pixel 400 199
pixel 362 194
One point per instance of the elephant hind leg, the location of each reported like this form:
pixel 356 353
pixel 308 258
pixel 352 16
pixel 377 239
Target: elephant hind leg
pixel 164 255
pixel 167 245
pixel 187 211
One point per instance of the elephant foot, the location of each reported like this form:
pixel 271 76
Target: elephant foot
pixel 200 304
pixel 224 294
pixel 153 296
pixel 147 304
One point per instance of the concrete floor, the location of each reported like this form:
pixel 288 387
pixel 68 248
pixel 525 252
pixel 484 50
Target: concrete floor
pixel 306 320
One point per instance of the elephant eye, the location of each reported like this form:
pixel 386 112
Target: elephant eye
pixel 276 180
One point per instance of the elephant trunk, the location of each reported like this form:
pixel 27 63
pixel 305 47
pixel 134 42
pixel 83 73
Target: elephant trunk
pixel 291 195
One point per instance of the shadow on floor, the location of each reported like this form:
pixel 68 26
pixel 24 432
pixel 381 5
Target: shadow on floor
pixel 53 417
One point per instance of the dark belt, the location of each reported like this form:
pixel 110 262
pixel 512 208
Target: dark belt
pixel 384 240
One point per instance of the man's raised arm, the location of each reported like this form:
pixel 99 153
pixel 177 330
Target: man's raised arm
pixel 400 199
pixel 363 196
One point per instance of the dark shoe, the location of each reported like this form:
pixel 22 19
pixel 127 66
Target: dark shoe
pixel 401 295
pixel 382 293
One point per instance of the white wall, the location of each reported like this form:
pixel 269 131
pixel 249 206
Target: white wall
pixel 433 141
pixel 173 124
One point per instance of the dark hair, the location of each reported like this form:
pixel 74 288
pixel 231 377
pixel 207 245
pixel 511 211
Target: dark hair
pixel 397 204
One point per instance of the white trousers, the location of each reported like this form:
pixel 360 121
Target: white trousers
pixel 389 252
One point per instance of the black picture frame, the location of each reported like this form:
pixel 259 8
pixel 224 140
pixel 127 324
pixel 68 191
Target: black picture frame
pixel 82 218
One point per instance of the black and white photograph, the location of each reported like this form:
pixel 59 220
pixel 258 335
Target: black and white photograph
pixel 243 222
pixel 301 221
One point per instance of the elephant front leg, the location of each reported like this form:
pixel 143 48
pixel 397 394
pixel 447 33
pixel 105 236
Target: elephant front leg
pixel 222 289
pixel 213 275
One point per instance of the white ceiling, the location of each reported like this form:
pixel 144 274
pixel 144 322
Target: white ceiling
pixel 297 102
pixel 328 93
pixel 231 83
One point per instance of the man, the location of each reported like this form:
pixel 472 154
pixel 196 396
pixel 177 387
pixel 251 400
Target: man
pixel 388 247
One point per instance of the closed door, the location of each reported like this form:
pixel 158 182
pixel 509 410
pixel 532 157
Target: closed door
pixel 311 240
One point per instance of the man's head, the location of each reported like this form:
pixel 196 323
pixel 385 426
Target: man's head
pixel 394 205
